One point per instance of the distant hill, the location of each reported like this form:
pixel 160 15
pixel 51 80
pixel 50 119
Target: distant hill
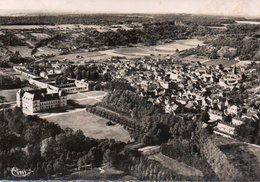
pixel 247 8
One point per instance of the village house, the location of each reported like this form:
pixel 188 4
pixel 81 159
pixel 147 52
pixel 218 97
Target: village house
pixel 226 128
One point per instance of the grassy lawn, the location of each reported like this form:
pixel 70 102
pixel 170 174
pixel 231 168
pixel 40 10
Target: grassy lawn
pixel 95 93
pixel 178 167
pixel 76 96
pixel 86 56
pixel 179 44
pixel 87 101
pixel 130 50
pixel 84 95
pixel 47 51
pixel 40 36
pixel 84 98
pixel 8 95
pixel 168 48
pixel 91 125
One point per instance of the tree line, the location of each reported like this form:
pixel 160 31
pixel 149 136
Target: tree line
pixel 9 82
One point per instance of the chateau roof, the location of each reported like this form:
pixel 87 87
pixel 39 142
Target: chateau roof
pixel 42 95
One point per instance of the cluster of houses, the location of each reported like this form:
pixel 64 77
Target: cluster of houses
pixel 174 86
pixel 178 87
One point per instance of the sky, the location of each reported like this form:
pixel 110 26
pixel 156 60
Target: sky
pixel 219 7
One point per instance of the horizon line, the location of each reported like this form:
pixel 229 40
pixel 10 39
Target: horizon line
pixel 38 12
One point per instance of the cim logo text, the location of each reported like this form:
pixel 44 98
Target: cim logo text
pixel 20 173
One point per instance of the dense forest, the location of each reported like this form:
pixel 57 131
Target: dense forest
pixel 159 126
pixel 250 131
pixel 150 34
pixel 10 39
pixel 240 41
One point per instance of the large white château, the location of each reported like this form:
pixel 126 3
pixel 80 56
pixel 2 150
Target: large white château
pixel 33 101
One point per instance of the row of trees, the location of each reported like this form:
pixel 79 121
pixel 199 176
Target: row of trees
pixel 91 73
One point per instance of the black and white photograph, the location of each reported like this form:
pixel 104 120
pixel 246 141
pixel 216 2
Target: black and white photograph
pixel 130 90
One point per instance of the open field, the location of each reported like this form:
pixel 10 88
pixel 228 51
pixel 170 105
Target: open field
pixel 86 101
pixel 99 28
pixel 46 51
pixel 75 96
pixel 94 93
pixel 25 27
pixel 8 95
pixel 84 98
pixel 194 59
pixel 23 50
pixel 217 27
pixel 83 102
pixel 19 27
pixel 225 63
pixel 91 125
pixel 248 22
pixel 83 56
pixel 168 48
pixel 40 36
pixel 178 167
pixel 178 44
